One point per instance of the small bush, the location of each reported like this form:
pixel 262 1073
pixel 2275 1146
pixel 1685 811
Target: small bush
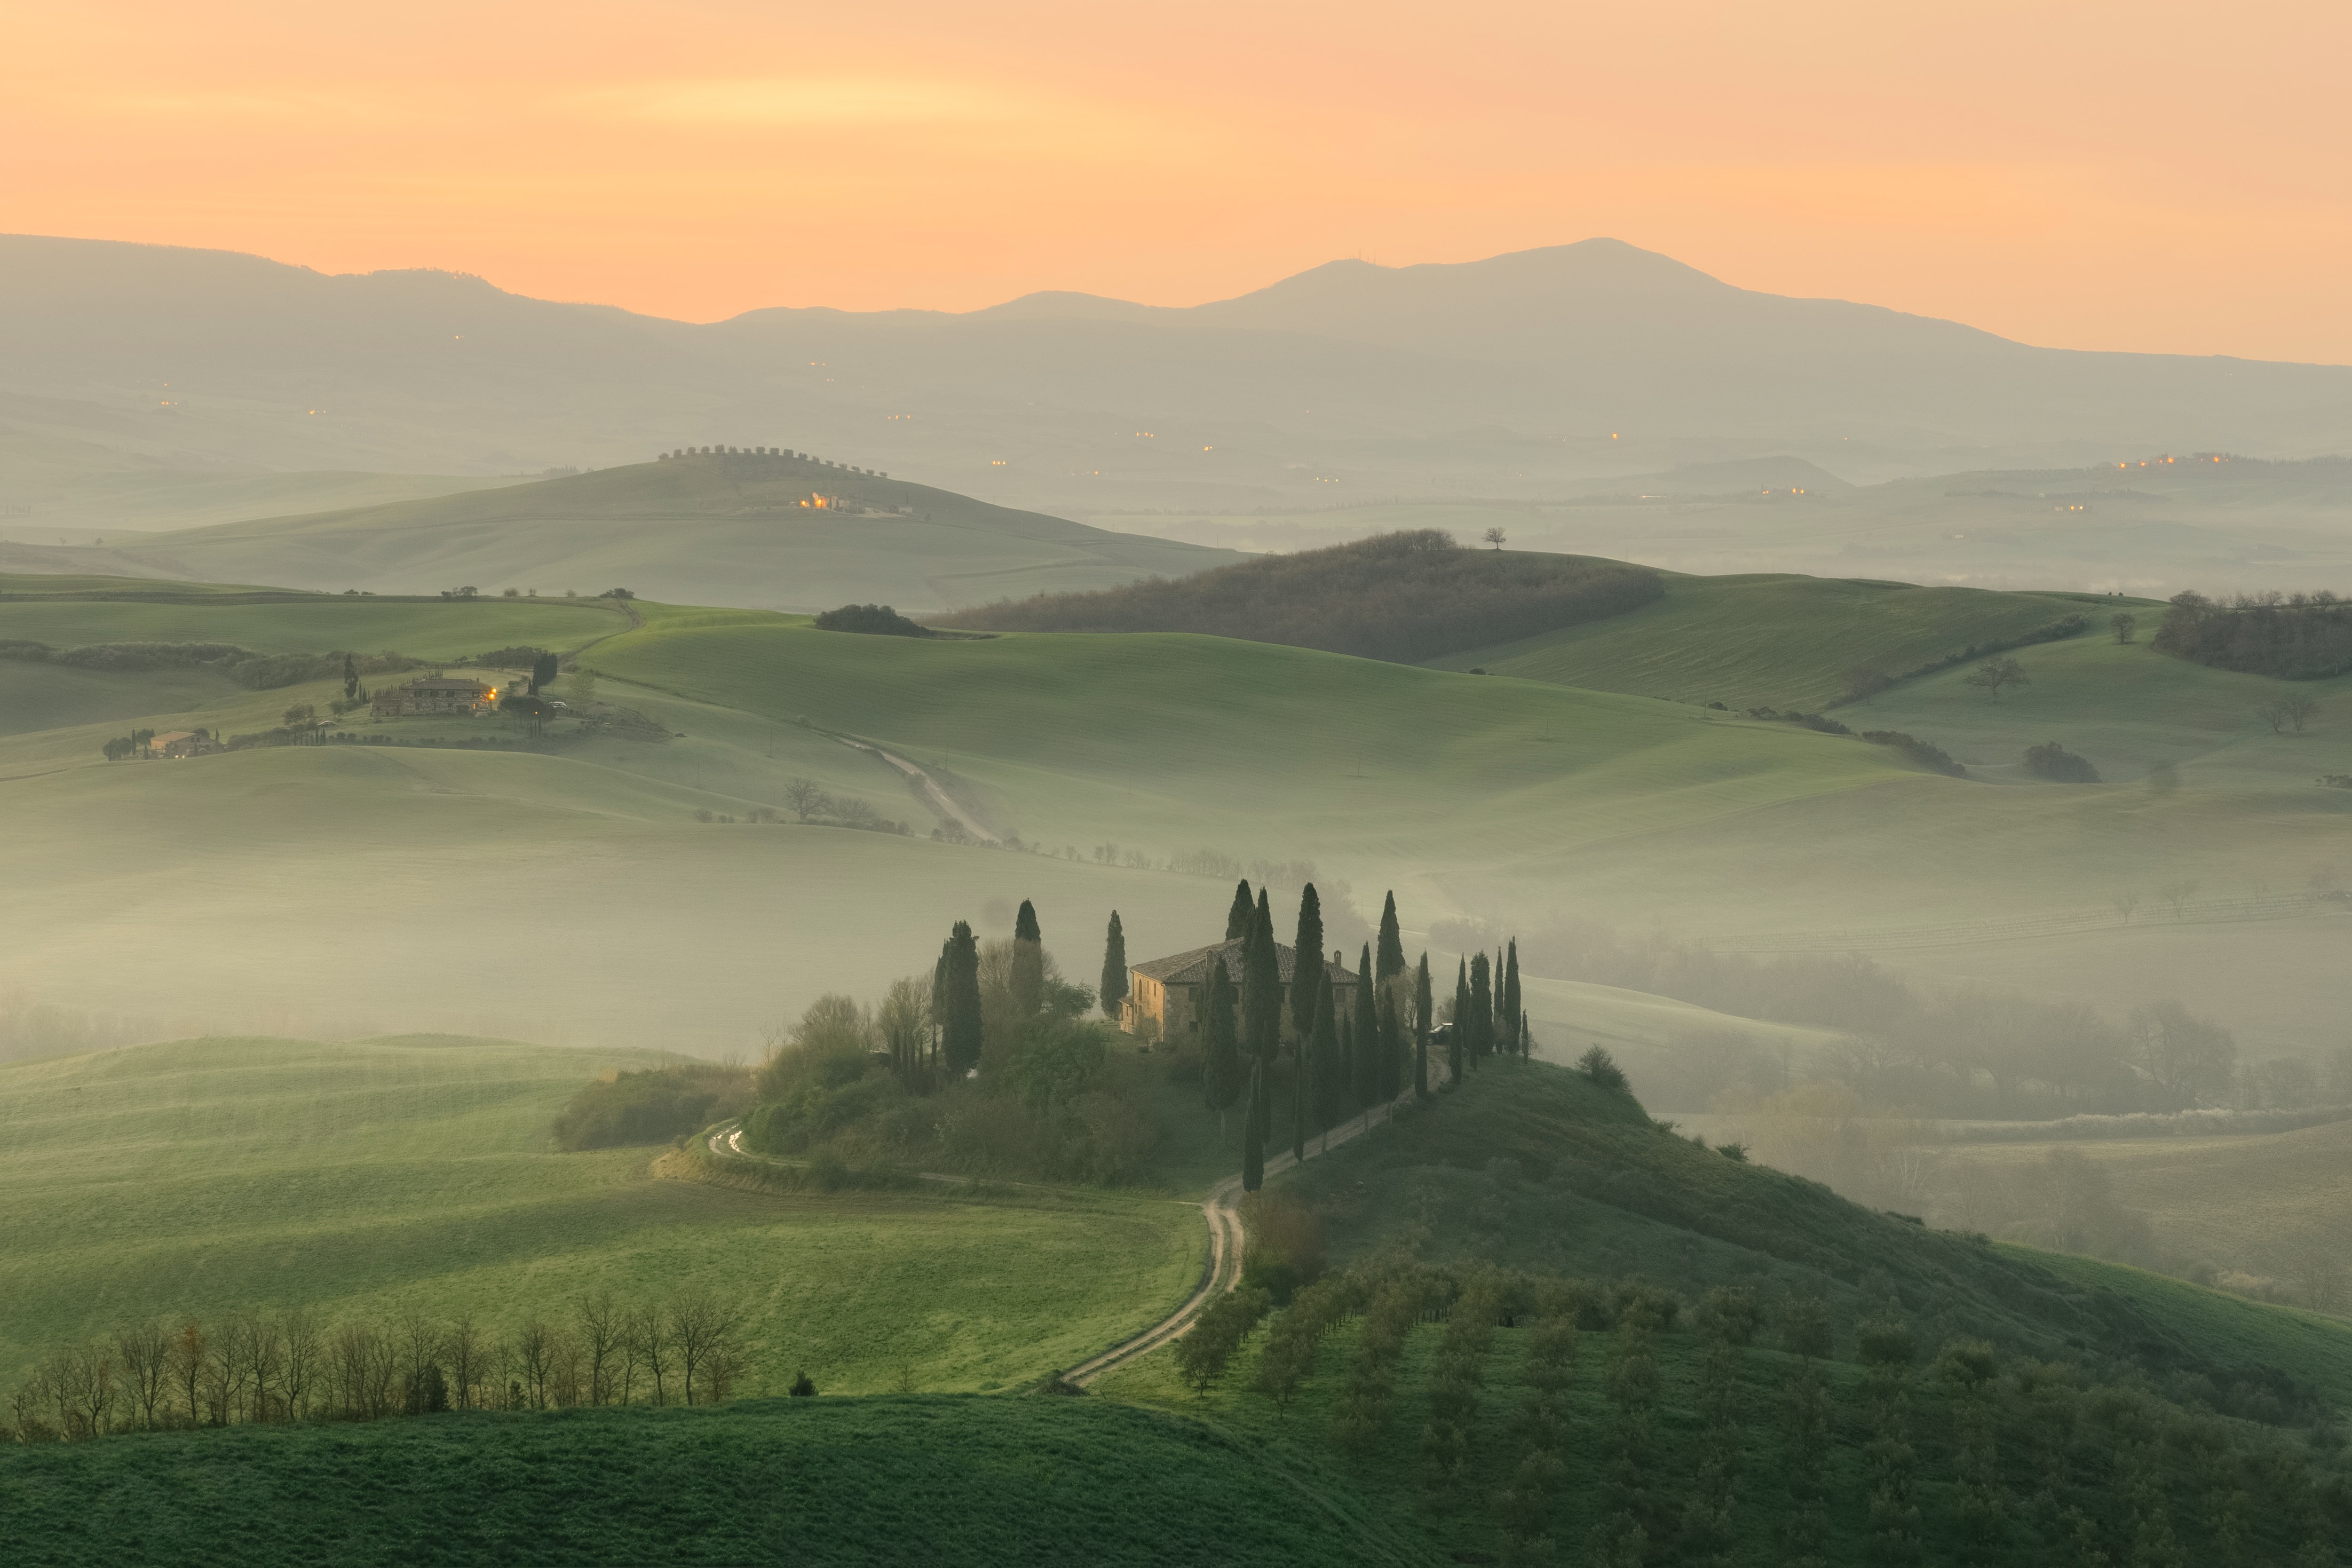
pixel 1917 751
pixel 2055 763
pixel 1601 1067
pixel 876 620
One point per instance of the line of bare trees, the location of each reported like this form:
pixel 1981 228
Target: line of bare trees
pixel 255 1367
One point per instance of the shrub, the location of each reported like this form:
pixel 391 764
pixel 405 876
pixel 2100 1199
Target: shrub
pixel 879 620
pixel 652 1106
pixel 1732 1311
pixel 1601 1067
pixel 2055 763
pixel 1917 751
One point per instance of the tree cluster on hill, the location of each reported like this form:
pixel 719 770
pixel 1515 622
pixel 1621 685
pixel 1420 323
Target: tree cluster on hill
pixel 259 1368
pixel 254 671
pixel 1404 597
pixel 808 802
pixel 652 1106
pixel 1702 1429
pixel 878 620
pixel 2054 762
pixel 2297 637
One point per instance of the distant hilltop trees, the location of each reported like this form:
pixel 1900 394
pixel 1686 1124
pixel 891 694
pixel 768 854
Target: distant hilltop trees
pixel 2292 637
pixel 683 453
pixel 1405 596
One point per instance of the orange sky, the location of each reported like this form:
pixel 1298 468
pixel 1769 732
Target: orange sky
pixel 2100 175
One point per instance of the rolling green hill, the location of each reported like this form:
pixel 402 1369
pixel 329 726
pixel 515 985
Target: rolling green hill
pixel 1775 641
pixel 712 530
pixel 366 1177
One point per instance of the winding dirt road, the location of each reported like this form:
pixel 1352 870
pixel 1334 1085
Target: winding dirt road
pixel 1220 1210
pixel 930 786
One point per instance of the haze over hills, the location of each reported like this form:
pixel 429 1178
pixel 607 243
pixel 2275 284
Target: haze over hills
pixel 764 531
pixel 1531 373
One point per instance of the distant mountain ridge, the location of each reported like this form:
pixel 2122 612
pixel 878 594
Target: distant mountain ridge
pixel 1347 373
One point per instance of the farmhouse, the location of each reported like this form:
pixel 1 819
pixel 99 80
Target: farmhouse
pixel 1161 994
pixel 182 743
pixel 436 694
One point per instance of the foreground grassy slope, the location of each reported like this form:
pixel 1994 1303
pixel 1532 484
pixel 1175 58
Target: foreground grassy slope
pixel 214 1176
pixel 890 1480
pixel 702 530
pixel 1773 640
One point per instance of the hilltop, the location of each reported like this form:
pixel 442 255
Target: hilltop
pixel 1402 596
pixel 774 530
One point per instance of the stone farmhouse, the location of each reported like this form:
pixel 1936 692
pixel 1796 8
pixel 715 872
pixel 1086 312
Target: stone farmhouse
pixel 182 743
pixel 436 694
pixel 1162 996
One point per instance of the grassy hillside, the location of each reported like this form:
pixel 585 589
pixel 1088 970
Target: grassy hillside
pixel 1772 641
pixel 892 1480
pixel 706 530
pixel 364 1177
pixel 1406 597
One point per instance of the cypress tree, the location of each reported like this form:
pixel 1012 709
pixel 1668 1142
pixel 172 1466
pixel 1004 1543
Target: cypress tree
pixel 960 1013
pixel 1392 961
pixel 350 679
pixel 1299 1092
pixel 1028 962
pixel 1309 953
pixel 1114 970
pixel 1328 1073
pixel 1261 999
pixel 1391 1062
pixel 1253 1132
pixel 1421 1015
pixel 1482 1010
pixel 1237 918
pixel 1507 1004
pixel 1458 1043
pixel 1368 1035
pixel 1345 1092
pixel 1220 1060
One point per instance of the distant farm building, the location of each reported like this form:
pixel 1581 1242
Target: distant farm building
pixel 1165 992
pixel 182 743
pixel 436 694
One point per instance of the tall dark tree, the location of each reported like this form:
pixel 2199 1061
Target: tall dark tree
pixel 1237 918
pixel 1390 1070
pixel 1482 1010
pixel 1299 1090
pixel 1457 1042
pixel 1253 1132
pixel 1113 990
pixel 1391 959
pixel 543 668
pixel 1420 1020
pixel 1221 1058
pixel 1347 1095
pixel 1261 989
pixel 960 1016
pixel 1368 1035
pixel 1308 953
pixel 350 679
pixel 1507 1006
pixel 1028 962
pixel 1327 1070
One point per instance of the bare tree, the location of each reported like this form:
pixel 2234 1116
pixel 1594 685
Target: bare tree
pixel 2126 624
pixel 1494 537
pixel 2177 894
pixel 650 1328
pixel 1995 673
pixel 143 1350
pixel 91 1384
pixel 2289 711
pixel 305 1356
pixel 191 1353
pixel 420 1340
pixel 602 1328
pixel 265 1353
pixel 804 797
pixel 2318 1274
pixel 2186 1060
pixel 535 1349
pixel 700 1325
pixel 2125 904
pixel 465 1360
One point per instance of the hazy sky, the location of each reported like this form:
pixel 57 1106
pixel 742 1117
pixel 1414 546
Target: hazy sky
pixel 2100 175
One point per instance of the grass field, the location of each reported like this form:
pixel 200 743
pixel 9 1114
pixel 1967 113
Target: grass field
pixel 908 1481
pixel 213 1176
pixel 1775 641
pixel 703 530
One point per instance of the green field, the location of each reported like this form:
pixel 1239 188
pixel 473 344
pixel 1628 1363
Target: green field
pixel 1776 641
pixel 704 530
pixel 364 1177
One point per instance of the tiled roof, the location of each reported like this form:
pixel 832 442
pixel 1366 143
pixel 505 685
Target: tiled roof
pixel 1192 968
